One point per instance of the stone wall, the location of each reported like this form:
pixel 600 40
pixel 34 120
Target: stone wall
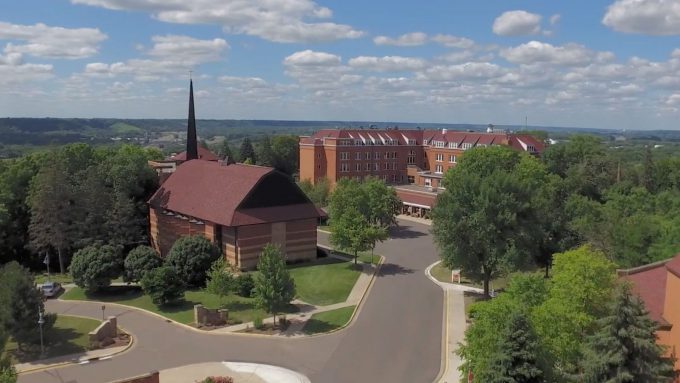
pixel 104 334
pixel 210 317
pixel 152 377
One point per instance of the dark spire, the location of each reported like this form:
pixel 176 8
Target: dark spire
pixel 192 143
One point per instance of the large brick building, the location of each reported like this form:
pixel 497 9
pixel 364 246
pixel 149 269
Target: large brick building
pixel 413 160
pixel 238 207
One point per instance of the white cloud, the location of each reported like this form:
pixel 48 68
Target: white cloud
pixel 517 23
pixel 453 41
pixel 278 21
pixel 406 40
pixel 387 63
pixel 187 48
pixel 554 19
pixel 650 17
pixel 312 58
pixel 13 70
pixel 467 71
pixel 41 40
pixel 536 51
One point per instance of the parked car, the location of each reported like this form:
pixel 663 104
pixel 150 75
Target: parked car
pixel 50 289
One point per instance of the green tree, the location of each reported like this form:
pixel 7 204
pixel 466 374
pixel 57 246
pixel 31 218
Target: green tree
pixel 163 285
pixel 524 293
pixel 8 374
pixel 139 261
pixel 224 151
pixel 191 257
pixel 286 153
pixel 581 286
pixel 24 303
pixel 93 267
pixel 51 202
pixel 351 232
pixel 382 203
pixel 265 155
pixel 220 281
pixel 274 287
pixel 247 151
pixel 484 222
pixel 624 349
pixel 517 357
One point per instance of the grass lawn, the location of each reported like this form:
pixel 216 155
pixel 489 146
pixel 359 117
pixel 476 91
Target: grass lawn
pixel 240 309
pixel 324 282
pixel 54 277
pixel 443 274
pixel 68 336
pixel 329 320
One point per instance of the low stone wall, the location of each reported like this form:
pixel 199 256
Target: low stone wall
pixel 152 377
pixel 104 334
pixel 210 317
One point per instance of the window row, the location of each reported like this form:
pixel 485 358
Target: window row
pixel 452 158
pixel 367 167
pixel 367 155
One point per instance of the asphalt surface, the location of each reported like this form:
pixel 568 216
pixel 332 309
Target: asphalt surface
pixel 396 337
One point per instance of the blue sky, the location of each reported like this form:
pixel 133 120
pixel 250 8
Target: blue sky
pixel 597 63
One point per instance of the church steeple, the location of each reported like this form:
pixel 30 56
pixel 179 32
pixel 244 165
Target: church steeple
pixel 192 143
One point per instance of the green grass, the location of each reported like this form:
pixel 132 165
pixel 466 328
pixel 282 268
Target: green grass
pixel 240 308
pixel 443 274
pixel 328 321
pixel 68 336
pixel 54 277
pixel 324 282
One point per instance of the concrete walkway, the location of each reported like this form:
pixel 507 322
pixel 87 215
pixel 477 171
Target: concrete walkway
pixel 81 358
pixel 411 218
pixel 240 372
pixel 299 320
pixel 454 326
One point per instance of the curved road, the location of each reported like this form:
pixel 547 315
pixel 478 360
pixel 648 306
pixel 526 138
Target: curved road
pixel 396 337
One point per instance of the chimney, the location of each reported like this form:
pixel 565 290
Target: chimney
pixel 444 130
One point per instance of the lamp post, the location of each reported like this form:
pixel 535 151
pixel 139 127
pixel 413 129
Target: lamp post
pixel 41 322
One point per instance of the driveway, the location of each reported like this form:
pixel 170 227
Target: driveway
pixel 396 337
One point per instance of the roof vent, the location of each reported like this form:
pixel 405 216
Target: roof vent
pixel 444 130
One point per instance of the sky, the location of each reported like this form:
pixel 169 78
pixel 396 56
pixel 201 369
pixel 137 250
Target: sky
pixel 579 63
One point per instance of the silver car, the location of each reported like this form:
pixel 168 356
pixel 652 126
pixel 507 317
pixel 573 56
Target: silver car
pixel 50 289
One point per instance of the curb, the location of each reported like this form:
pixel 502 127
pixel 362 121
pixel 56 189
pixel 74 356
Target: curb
pixel 83 360
pixel 444 366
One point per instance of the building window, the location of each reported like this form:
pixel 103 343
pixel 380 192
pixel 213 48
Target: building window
pixel 453 145
pixel 439 169
pixel 394 178
pixel 411 142
pixel 424 142
pixel 357 142
pixel 318 155
pixel 344 167
pixel 344 155
pixel 531 149
pixel 440 157
pixel 467 145
pixel 376 155
pixel 411 160
pixel 368 155
pixel 452 159
pixel 394 155
pixel 387 155
pixel 386 166
pixel 367 167
pixel 411 179
pixel 358 156
pixel 376 166
pixel 358 167
pixel 439 144
pixel 428 182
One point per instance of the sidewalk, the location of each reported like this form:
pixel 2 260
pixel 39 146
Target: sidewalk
pixel 240 372
pixel 299 319
pixel 82 358
pixel 454 326
pixel 423 221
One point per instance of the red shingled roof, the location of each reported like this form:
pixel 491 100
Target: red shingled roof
pixel 213 192
pixel 649 282
pixel 203 154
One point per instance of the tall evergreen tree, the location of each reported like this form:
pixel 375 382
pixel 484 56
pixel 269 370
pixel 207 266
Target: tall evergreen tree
pixel 265 155
pixel 517 357
pixel 625 349
pixel 224 151
pixel 247 151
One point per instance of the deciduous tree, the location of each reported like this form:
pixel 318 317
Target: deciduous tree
pixel 191 257
pixel 274 287
pixel 93 267
pixel 163 285
pixel 220 281
pixel 139 261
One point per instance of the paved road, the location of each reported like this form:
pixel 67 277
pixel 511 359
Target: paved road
pixel 395 338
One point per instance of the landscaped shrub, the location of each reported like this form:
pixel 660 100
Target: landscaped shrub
pixel 245 285
pixel 138 261
pixel 258 321
pixel 163 285
pixel 191 257
pixel 93 267
pixel 218 379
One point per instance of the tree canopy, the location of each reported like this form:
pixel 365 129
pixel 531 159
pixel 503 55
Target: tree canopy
pixel 274 286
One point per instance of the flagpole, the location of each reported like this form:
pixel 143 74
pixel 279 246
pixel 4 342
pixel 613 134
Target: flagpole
pixel 46 261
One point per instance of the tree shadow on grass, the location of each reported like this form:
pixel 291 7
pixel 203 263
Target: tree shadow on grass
pixel 116 293
pixel 316 262
pixel 391 269
pixel 315 326
pixel 58 342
